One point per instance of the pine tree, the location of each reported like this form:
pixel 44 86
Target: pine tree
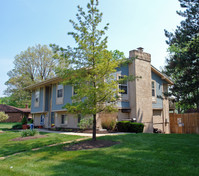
pixel 183 62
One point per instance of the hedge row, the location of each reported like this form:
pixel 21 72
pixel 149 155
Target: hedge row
pixel 127 126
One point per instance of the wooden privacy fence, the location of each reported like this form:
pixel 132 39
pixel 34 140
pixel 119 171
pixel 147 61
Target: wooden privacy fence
pixel 184 123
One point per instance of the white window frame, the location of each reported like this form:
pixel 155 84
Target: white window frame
pixel 123 96
pixel 37 97
pixel 153 97
pixel 59 100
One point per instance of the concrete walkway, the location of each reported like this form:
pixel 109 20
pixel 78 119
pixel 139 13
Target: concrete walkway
pixel 79 134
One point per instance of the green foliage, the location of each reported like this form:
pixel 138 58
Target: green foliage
pixel 127 126
pixel 3 116
pixel 85 123
pixel 17 126
pixel 26 133
pixel 8 101
pixel 24 121
pixel 30 66
pixel 108 124
pixel 183 62
pixel 91 65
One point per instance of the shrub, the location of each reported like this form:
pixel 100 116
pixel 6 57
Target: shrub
pixel 24 121
pixel 3 116
pixel 31 121
pixel 26 133
pixel 17 126
pixel 127 126
pixel 85 123
pixel 108 124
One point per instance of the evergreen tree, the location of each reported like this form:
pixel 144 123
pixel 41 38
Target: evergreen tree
pixel 183 62
pixel 91 66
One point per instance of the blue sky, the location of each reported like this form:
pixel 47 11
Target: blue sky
pixel 133 23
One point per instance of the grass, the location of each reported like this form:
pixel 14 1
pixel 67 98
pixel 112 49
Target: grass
pixel 137 154
pixel 7 126
pixel 8 147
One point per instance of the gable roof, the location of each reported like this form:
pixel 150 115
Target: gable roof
pixel 57 79
pixel 11 109
pixel 43 83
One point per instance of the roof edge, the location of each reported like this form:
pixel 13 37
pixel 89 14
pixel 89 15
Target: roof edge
pixel 164 77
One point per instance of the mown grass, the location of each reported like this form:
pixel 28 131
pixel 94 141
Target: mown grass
pixel 7 126
pixel 8 147
pixel 137 154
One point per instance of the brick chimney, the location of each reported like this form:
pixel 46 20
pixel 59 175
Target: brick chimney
pixel 140 89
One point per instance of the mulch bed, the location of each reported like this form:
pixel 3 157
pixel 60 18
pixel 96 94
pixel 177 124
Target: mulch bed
pixel 90 145
pixel 1 132
pixel 29 137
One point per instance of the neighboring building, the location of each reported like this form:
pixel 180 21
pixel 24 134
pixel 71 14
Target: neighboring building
pixel 143 100
pixel 14 114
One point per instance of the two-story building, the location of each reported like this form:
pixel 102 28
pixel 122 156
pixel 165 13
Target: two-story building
pixel 143 100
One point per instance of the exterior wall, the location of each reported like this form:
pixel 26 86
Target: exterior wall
pixel 141 101
pixel 14 117
pixel 123 116
pixel 123 70
pixel 158 104
pixel 40 108
pixel 166 110
pixel 158 120
pixel 117 116
pixel 139 98
pixel 71 119
pixel 67 97
pixel 37 119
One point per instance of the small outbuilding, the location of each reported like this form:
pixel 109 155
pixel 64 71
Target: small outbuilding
pixel 15 114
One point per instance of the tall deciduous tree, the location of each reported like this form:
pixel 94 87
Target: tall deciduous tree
pixel 183 63
pixel 30 66
pixel 92 65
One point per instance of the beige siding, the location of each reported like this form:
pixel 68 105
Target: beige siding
pixel 140 98
pixel 157 119
pixel 72 120
pixel 36 118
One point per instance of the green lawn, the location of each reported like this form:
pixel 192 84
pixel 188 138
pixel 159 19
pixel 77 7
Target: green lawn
pixel 137 154
pixel 7 126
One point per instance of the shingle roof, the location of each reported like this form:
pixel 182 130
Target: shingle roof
pixel 11 109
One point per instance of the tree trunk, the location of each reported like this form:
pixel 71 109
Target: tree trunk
pixel 94 127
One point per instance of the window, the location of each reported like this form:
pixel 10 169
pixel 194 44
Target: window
pixel 52 118
pixel 37 96
pixel 74 90
pixel 60 91
pixel 79 118
pixel 153 90
pixel 64 119
pixel 123 85
pixel 42 120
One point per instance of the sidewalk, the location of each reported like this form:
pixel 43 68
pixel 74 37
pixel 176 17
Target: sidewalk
pixel 79 134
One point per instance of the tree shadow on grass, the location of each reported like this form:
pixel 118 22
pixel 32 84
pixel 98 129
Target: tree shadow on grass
pixel 135 155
